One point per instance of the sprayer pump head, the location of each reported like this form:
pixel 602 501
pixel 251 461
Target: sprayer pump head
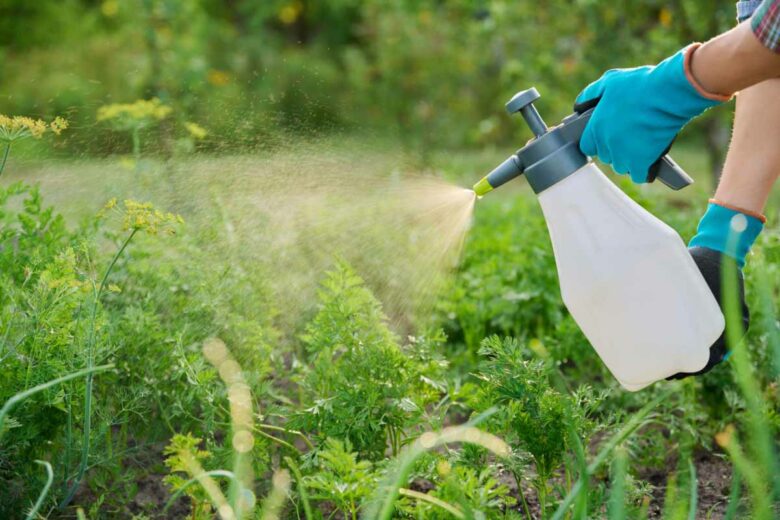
pixel 522 102
pixel 554 153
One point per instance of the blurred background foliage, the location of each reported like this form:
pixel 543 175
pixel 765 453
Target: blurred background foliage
pixel 433 74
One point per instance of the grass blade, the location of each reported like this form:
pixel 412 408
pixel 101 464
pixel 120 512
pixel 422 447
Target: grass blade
pixel 734 496
pixel 617 494
pixel 180 491
pixel 277 497
pixel 380 506
pixel 454 511
pixel 693 503
pixel 633 423
pixel 301 488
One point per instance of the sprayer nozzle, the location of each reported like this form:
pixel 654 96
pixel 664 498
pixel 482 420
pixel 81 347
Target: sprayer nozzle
pixel 482 187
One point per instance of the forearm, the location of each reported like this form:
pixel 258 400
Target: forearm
pixel 753 161
pixel 734 61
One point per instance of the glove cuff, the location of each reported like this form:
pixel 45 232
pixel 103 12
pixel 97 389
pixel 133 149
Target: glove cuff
pixel 687 62
pixel 729 230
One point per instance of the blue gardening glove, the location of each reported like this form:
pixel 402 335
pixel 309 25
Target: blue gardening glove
pixel 640 111
pixel 710 263
pixel 724 231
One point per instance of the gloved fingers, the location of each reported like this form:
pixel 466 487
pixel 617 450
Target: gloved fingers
pixel 620 167
pixel 638 173
pixel 590 93
pixel 588 141
pixel 586 105
pixel 603 153
pixel 652 171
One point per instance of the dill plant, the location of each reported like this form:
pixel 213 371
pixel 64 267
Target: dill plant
pixel 136 217
pixel 41 289
pixel 133 118
pixel 16 128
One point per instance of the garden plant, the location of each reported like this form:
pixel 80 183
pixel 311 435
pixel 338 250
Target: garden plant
pixel 265 322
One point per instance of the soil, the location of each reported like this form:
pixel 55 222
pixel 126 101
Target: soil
pixel 712 471
pixel 714 475
pixel 151 493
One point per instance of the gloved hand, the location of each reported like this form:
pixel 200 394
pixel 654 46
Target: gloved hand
pixel 640 111
pixel 723 231
pixel 709 262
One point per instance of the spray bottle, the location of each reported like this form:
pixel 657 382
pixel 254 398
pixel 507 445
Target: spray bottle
pixel 625 276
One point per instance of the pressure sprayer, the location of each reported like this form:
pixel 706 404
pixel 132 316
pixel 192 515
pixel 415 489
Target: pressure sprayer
pixel 625 276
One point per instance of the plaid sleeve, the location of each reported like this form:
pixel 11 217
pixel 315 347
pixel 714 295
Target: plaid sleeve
pixel 766 24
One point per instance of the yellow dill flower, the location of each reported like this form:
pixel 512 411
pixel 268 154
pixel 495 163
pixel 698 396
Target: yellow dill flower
pixel 19 127
pixel 142 113
pixel 665 17
pixel 58 125
pixel 111 204
pixel 142 216
pixel 195 130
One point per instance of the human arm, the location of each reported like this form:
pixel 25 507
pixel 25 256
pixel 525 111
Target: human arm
pixel 641 110
pixel 734 61
pixel 734 219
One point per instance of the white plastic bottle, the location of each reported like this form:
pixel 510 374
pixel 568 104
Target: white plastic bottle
pixel 628 281
pixel 626 277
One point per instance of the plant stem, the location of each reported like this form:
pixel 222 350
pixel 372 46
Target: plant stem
pixel 136 148
pixel 518 480
pixel 21 396
pixel 5 157
pixel 280 441
pixel 694 484
pixel 285 430
pixel 736 489
pixel 33 513
pixel 541 489
pixel 90 362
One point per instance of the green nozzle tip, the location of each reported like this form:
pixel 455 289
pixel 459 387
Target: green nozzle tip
pixel 482 187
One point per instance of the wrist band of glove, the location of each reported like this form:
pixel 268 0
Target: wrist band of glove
pixel 728 230
pixel 694 82
pixel 732 207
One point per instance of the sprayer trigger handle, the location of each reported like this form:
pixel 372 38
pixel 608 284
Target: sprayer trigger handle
pixel 669 173
pixel 664 169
